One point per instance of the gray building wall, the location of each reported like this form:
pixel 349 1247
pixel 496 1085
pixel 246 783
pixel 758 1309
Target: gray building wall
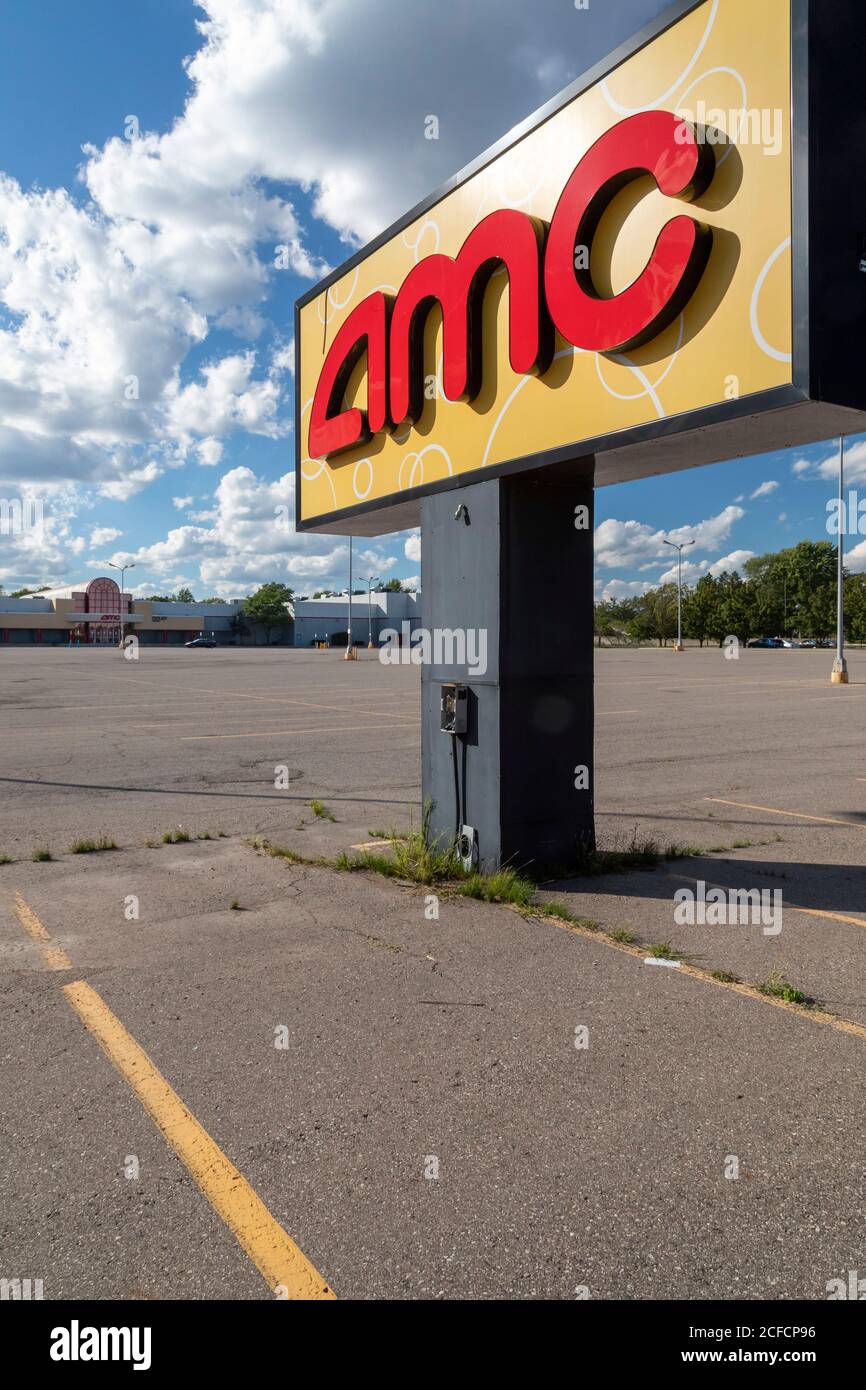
pixel 320 619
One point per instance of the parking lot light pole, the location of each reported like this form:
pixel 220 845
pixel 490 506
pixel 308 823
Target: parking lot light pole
pixel 840 665
pixel 123 569
pixel 371 580
pixel 679 549
pixel 350 650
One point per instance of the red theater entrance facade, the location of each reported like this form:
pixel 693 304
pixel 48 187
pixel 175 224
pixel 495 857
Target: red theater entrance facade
pixel 100 609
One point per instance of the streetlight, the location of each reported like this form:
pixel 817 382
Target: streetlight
pixel 371 580
pixel 123 569
pixel 350 650
pixel 840 665
pixel 679 549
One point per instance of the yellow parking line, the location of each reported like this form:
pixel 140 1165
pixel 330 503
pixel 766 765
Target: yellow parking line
pixel 774 811
pixel 54 956
pixel 836 916
pixel 286 1269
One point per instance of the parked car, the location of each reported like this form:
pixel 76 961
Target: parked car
pixel 766 642
pixel 202 642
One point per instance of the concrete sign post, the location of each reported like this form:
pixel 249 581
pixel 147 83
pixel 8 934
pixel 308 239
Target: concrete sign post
pixel 662 268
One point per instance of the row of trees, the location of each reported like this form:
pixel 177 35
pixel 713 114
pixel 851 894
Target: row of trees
pixel 791 593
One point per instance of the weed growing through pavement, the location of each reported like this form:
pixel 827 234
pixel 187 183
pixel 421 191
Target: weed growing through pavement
pixel 663 950
pixel 42 855
pixel 176 837
pixel 92 846
pixel 777 987
pixel 321 811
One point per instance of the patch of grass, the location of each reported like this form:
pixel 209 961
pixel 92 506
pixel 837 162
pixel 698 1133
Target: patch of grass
pixel 564 914
pixel 92 846
pixel 635 854
pixel 41 856
pixel 415 857
pixel 376 863
pixel 235 905
pixel 321 811
pixel 283 852
pixel 151 843
pixel 725 977
pixel 6 859
pixel 742 844
pixel 624 937
pixel 424 860
pixel 204 835
pixel 176 837
pixel 501 886
pixel 777 987
pixel 663 950
pixel 264 846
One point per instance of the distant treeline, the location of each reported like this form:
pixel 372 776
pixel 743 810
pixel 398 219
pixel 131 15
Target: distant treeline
pixel 791 593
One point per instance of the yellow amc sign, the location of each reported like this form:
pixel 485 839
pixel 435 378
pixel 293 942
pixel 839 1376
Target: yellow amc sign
pixel 619 273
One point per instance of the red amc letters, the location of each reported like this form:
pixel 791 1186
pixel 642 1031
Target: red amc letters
pixel 546 290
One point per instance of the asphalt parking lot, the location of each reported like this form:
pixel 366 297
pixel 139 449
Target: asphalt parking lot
pixel 427 1126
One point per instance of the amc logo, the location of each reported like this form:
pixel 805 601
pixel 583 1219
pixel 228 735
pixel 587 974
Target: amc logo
pixel 548 289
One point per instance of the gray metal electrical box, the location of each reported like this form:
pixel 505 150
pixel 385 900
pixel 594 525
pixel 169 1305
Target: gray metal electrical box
pixel 453 707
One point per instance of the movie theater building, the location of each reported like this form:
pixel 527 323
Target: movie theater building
pixel 91 614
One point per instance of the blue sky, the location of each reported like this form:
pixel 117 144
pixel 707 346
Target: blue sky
pixel 153 259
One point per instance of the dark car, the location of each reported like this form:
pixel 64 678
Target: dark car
pixel 766 642
pixel 201 642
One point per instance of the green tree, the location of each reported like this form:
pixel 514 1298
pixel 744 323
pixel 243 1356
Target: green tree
pixel 269 607
pixel 184 596
pixel 855 607
pixel 702 610
pixel 394 586
pixel 737 608
pixel 654 616
pixel 660 606
pixel 603 620
pixel 802 580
